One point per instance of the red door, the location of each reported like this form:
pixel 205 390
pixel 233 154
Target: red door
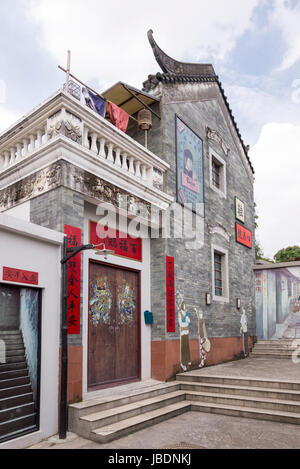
pixel 113 347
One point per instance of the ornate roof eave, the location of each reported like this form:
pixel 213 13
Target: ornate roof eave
pixel 172 66
pixel 181 72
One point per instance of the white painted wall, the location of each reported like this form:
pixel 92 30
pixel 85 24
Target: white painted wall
pixel 144 268
pixel 34 248
pixel 21 211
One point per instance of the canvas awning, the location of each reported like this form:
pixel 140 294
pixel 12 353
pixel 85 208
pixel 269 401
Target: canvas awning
pixel 129 98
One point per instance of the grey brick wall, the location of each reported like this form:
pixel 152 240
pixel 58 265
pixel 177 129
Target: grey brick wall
pixel 54 210
pixel 193 269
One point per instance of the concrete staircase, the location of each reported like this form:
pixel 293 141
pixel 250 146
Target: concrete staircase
pixel 107 419
pixel 17 408
pixel 283 348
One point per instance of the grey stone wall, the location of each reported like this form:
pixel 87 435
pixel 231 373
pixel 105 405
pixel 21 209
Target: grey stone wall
pixel 199 108
pixel 54 210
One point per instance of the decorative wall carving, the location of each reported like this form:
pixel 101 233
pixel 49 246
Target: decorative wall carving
pixel 220 231
pixel 67 175
pixel 67 124
pixel 216 137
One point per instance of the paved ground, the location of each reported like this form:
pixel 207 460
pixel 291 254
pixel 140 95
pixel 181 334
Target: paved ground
pixel 209 431
pixel 199 430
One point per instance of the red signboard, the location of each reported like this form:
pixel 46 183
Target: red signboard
pixel 243 236
pixel 73 281
pixel 20 276
pixel 170 285
pixel 121 243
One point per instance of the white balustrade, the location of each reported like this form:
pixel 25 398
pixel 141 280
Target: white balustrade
pixel 106 146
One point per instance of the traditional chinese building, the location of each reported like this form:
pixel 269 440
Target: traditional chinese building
pixel 188 199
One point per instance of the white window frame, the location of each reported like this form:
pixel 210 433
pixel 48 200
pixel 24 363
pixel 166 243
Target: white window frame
pixel 223 180
pixel 225 274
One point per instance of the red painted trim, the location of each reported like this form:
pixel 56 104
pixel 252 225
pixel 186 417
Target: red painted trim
pixel 170 294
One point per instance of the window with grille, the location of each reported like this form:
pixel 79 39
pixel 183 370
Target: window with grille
pixel 218 275
pixel 216 174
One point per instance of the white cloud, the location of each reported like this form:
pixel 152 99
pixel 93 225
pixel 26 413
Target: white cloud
pixel 108 39
pixel 7 117
pixel 276 158
pixel 286 16
pixel 255 107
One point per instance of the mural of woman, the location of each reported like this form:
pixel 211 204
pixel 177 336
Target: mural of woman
pixel 204 342
pixel 244 331
pixel 184 323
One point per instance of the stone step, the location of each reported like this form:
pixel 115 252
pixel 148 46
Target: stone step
pixel 18 433
pixel 90 422
pixel 15 391
pixel 4 375
pixel 278 347
pixel 125 427
pixel 17 424
pixel 94 405
pixel 15 359
pixel 11 342
pixel 15 401
pixel 234 390
pixel 13 366
pixel 9 347
pixel 245 401
pixel 276 342
pixel 235 411
pixel 271 355
pixel 16 412
pixel 19 352
pixel 14 382
pixel 239 381
pixel 9 332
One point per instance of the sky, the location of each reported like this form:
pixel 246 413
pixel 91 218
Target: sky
pixel 254 46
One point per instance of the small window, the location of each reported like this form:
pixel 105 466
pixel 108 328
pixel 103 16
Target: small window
pixel 220 280
pixel 218 174
pixel 218 275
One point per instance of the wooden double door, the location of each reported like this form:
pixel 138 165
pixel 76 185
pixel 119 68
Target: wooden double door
pixel 114 326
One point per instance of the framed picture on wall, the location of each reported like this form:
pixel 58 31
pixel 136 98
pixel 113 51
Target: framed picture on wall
pixel 190 174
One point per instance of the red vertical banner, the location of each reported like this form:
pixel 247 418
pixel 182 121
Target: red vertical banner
pixel 73 281
pixel 170 296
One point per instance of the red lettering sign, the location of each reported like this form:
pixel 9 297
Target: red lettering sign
pixel 122 244
pixel 20 276
pixel 73 281
pixel 170 296
pixel 243 236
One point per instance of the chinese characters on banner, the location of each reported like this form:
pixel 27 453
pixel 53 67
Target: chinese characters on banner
pixel 20 276
pixel 243 236
pixel 170 285
pixel 73 281
pixel 122 244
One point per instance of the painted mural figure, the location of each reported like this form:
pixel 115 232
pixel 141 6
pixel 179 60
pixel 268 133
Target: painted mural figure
pixel 244 331
pixel 204 342
pixel 184 323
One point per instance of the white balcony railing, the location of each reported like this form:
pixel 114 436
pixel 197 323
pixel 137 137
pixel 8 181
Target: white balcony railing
pixel 62 116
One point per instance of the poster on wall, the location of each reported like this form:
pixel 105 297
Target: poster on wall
pixel 170 296
pixel 73 281
pixel 190 179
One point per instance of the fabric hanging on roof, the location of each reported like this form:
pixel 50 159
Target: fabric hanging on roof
pixel 118 116
pixel 94 101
